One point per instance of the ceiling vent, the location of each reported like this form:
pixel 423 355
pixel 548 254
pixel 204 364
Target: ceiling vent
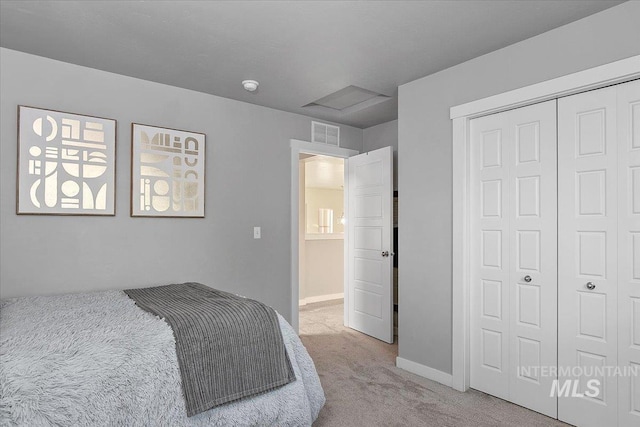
pixel 349 100
pixel 325 134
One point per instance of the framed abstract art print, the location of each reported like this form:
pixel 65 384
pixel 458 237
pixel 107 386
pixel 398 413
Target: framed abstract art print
pixel 167 172
pixel 66 163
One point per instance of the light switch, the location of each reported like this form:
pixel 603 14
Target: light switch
pixel 256 232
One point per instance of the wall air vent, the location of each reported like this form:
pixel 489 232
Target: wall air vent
pixel 325 134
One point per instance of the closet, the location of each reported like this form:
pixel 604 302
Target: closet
pixel 555 256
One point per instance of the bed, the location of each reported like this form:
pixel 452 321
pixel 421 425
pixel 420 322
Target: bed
pixel 100 359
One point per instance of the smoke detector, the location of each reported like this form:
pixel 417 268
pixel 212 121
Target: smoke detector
pixel 250 85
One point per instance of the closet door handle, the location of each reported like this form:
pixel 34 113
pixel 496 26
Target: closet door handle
pixel 527 278
pixel 590 286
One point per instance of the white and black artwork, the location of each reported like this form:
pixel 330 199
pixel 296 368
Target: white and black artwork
pixel 66 163
pixel 167 172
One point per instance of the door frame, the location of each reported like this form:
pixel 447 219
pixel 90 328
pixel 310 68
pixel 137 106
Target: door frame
pixel 461 115
pixel 303 147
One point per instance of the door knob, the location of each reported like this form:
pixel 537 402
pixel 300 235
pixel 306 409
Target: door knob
pixel 527 278
pixel 385 254
pixel 591 286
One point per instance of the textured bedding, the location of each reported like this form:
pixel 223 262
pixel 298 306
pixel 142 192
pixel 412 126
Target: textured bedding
pixel 97 359
pixel 242 340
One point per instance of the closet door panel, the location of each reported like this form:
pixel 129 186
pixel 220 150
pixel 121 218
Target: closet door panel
pixel 533 255
pixel 629 251
pixel 587 261
pixel 490 258
pixel 513 254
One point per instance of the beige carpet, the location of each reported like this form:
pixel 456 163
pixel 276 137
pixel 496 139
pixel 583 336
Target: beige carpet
pixel 364 388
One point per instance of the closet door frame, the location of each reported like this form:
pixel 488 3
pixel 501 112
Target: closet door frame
pixel 594 78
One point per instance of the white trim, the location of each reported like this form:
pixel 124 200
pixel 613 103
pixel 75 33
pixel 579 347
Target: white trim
pixel 320 298
pixel 424 371
pixel 322 149
pixel 460 292
pixel 346 263
pixel 615 72
pixel 324 236
pixel 604 75
pixel 297 147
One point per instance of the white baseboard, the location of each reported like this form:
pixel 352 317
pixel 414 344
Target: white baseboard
pixel 320 298
pixel 425 371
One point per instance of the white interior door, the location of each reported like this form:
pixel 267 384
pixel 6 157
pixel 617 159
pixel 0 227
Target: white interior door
pixel 370 243
pixel 588 252
pixel 628 112
pixel 513 255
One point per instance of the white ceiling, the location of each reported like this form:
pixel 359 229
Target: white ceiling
pixel 324 172
pixel 299 51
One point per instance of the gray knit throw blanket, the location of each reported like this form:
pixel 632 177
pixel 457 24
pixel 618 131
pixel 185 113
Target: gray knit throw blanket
pixel 228 347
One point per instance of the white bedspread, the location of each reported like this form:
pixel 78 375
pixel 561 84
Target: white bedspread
pixel 97 359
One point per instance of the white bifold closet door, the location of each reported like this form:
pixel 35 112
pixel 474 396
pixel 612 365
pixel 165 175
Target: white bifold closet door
pixel 599 255
pixel 629 251
pixel 514 255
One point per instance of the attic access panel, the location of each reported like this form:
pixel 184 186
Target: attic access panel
pixel 349 99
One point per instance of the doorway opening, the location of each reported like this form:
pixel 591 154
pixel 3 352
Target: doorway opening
pixel 298 227
pixel 367 244
pixel 321 248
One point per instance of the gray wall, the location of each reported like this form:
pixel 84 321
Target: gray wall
pixel 425 159
pixel 247 182
pixel 324 268
pixel 383 135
